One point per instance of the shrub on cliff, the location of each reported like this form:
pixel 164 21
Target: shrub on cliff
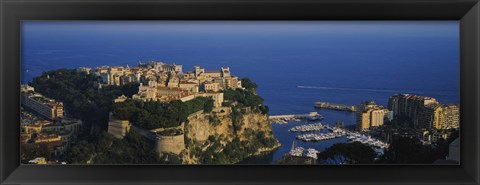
pixel 150 115
pixel 244 97
pixel 248 84
pixel 133 149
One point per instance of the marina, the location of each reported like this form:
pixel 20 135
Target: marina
pixel 335 132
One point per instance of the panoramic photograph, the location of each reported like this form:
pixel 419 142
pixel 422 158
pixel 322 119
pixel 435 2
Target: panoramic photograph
pixel 240 92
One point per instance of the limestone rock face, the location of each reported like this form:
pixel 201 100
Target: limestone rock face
pixel 219 124
pixel 256 122
pixel 199 126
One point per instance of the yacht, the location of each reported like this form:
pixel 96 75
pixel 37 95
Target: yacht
pixel 311 152
pixel 296 151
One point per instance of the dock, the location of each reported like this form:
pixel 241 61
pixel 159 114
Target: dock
pixel 298 116
pixel 284 118
pixel 333 106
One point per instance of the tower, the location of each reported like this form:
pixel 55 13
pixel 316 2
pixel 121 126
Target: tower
pixel 225 71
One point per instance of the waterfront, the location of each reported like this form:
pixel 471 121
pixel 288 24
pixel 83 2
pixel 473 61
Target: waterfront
pixel 286 137
pixel 292 70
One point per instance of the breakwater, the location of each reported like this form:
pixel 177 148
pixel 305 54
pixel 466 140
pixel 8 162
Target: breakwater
pixel 333 106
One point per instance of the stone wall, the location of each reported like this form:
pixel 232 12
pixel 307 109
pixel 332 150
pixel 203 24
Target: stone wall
pixel 118 128
pixel 170 144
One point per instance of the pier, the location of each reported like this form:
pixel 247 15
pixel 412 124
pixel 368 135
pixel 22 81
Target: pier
pixel 333 106
pixel 311 115
pixel 299 116
pixel 287 117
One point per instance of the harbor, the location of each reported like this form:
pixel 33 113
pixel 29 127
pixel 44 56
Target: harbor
pixel 333 106
pixel 329 124
pixel 335 132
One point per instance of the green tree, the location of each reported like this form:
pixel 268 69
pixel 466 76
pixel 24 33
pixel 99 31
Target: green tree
pixel 405 150
pixel 32 151
pixel 81 100
pixel 81 152
pixel 248 84
pixel 150 115
pixel 348 153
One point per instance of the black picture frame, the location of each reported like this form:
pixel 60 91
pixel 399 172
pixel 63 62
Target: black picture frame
pixel 14 11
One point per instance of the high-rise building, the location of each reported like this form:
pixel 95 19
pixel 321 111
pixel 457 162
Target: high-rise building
pixel 452 116
pixel 424 112
pixel 363 120
pixel 377 117
pixel 369 115
pixel 412 107
pixel 46 107
pixel 433 116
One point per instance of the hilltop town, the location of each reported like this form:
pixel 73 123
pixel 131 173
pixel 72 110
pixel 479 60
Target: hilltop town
pixel 167 82
pixel 175 112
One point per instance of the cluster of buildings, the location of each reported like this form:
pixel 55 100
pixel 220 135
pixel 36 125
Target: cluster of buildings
pixel 167 82
pixel 431 119
pixel 43 123
pixel 165 75
pixel 119 75
pixel 425 112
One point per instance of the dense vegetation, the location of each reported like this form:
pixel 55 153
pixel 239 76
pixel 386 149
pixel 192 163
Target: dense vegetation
pixel 402 150
pixel 245 98
pixel 248 84
pixel 235 151
pixel 408 149
pixel 133 149
pixel 348 153
pixel 31 151
pixel 150 115
pixel 81 100
pixel 405 150
pixel 81 153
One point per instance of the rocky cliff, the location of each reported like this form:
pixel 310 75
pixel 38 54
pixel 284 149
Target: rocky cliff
pixel 207 134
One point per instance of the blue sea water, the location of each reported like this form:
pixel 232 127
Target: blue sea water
pixel 294 63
